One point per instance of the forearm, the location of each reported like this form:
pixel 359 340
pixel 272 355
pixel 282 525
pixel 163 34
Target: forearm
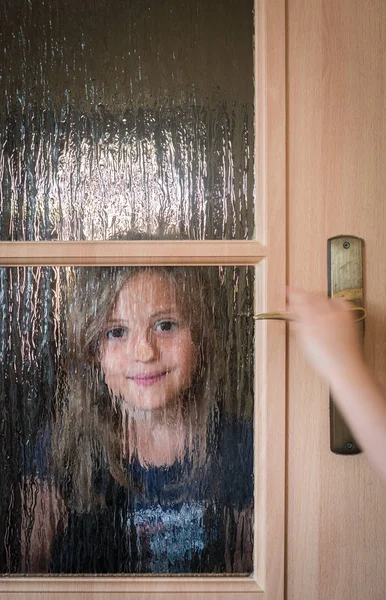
pixel 331 343
pixel 362 403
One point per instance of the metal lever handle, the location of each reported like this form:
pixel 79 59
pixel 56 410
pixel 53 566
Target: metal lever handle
pixel 285 316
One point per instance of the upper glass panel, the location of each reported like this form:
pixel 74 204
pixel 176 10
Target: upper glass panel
pixel 120 118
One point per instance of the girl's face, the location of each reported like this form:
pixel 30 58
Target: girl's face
pixel 146 352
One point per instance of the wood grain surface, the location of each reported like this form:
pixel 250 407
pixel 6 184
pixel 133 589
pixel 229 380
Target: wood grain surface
pixel 336 544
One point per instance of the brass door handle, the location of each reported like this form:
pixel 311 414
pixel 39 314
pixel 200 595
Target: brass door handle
pixel 286 316
pixel 345 280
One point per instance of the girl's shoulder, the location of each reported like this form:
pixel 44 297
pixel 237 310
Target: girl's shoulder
pixel 232 456
pixel 231 438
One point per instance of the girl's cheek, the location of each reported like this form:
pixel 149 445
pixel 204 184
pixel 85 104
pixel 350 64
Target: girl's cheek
pixel 106 360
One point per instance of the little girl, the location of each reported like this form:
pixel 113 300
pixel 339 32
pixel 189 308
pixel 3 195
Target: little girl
pixel 148 473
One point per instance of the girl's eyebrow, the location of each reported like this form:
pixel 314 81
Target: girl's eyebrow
pixel 159 313
pixel 167 311
pixel 112 321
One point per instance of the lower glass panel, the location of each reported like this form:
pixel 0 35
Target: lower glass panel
pixel 127 405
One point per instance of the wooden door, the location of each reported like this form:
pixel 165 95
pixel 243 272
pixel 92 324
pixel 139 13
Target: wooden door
pixel 336 183
pixel 336 505
pixel 267 253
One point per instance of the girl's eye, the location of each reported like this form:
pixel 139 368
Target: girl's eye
pixel 116 333
pixel 166 326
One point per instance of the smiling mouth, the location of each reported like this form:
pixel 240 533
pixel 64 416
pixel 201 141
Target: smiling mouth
pixel 145 380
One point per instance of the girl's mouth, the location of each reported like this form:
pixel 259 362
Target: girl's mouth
pixel 145 380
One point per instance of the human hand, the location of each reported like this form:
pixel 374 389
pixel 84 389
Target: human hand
pixel 327 332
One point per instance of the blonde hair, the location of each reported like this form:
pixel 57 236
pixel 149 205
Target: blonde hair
pixel 90 421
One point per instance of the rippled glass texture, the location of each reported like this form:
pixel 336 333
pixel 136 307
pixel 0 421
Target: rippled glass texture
pixel 126 117
pixel 126 401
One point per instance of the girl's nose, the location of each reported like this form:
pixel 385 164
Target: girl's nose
pixel 145 348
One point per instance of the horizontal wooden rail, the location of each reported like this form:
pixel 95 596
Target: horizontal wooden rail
pixel 247 586
pixel 131 253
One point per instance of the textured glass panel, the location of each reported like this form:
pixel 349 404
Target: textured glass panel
pixel 126 420
pixel 126 117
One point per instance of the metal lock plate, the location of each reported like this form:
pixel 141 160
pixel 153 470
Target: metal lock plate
pixel 345 280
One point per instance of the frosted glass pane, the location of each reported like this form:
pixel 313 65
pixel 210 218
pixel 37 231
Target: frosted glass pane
pixel 127 435
pixel 126 118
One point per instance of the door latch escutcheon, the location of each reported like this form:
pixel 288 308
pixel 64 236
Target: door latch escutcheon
pixel 345 280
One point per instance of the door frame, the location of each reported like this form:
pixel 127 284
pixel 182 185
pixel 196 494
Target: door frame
pixel 268 253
